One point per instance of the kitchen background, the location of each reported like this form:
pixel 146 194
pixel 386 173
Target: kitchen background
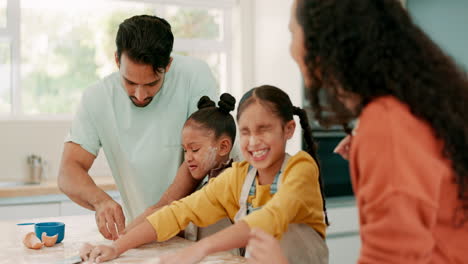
pixel 246 44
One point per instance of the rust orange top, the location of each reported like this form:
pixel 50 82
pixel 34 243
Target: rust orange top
pixel 405 189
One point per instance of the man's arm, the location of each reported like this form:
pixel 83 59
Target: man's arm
pixel 75 182
pixel 183 185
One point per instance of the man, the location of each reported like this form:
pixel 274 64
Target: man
pixel 136 116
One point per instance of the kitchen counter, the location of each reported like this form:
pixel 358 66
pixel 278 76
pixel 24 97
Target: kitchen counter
pixel 80 229
pixel 50 187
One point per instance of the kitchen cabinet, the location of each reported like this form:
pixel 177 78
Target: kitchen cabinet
pixel 344 249
pixel 21 211
pixel 43 206
pixel 68 208
pixel 343 233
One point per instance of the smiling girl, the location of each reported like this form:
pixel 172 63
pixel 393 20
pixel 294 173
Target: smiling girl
pixel 208 136
pixel 271 190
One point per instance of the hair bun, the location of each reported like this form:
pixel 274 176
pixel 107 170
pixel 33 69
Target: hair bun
pixel 226 103
pixel 205 102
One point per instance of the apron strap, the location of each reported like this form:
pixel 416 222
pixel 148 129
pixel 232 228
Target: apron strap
pixel 280 178
pixel 252 172
pixel 245 193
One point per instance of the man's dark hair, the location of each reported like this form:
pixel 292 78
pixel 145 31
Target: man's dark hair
pixel 145 39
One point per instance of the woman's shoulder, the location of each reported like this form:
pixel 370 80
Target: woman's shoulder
pixel 387 114
pixel 384 105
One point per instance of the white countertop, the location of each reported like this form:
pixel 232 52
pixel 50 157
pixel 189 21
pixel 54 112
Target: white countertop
pixel 80 229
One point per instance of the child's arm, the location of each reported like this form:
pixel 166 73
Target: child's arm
pixel 235 236
pixel 202 208
pixel 139 235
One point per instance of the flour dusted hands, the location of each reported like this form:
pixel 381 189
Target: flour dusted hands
pixel 109 218
pixel 98 253
pixel 264 248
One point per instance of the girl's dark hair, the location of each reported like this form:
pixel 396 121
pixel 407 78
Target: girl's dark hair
pixel 372 48
pixel 280 104
pixel 146 39
pixel 215 118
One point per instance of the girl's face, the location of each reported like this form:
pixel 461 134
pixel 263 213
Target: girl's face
pixel 202 152
pixel 263 137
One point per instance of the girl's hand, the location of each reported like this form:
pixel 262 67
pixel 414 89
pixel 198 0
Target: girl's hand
pixel 98 254
pixel 343 147
pixel 264 248
pixel 188 255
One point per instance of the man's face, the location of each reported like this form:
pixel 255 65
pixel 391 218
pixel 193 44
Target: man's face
pixel 140 80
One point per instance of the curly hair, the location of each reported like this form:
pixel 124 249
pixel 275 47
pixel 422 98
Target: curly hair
pixel 373 48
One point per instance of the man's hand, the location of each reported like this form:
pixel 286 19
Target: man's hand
pixel 77 184
pixel 98 253
pixel 110 218
pixel 264 248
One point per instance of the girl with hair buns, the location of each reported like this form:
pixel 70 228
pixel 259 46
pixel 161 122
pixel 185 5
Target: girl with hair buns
pixel 271 190
pixel 208 137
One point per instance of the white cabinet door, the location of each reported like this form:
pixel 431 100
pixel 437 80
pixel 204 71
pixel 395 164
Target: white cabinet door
pixel 343 235
pixel 70 208
pixel 26 211
pixel 344 249
pixel 343 220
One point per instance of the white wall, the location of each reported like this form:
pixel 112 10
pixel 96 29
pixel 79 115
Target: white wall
pixel 272 61
pixel 20 138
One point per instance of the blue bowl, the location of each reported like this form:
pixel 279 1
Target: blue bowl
pixel 51 229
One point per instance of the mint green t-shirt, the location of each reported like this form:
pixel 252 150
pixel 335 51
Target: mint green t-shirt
pixel 142 145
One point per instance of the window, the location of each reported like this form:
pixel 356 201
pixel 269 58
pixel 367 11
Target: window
pixel 65 46
pixel 3 13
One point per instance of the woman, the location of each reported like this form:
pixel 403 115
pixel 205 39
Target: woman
pixel 408 153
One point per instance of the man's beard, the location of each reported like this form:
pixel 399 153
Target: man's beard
pixel 147 101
